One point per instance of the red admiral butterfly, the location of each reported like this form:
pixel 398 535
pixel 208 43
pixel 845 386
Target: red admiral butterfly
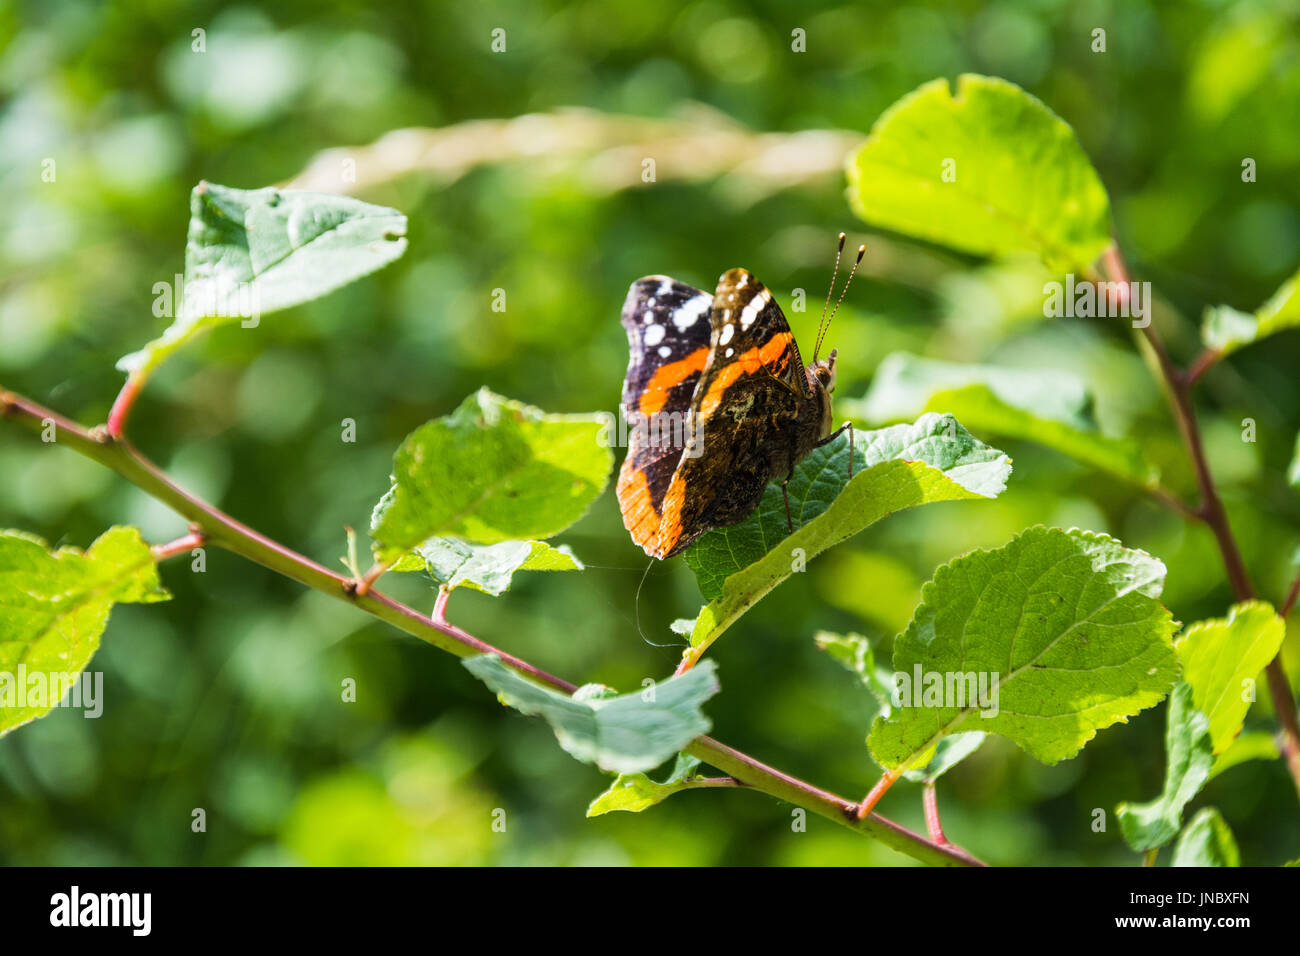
pixel 720 403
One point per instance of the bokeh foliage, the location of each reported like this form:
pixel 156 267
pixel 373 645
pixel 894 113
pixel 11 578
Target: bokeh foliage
pixel 227 697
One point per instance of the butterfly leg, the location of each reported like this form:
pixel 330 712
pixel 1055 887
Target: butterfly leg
pixel 847 426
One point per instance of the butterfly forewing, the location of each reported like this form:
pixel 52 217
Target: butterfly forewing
pixel 749 335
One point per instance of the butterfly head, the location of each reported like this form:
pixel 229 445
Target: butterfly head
pixel 822 372
pixel 821 379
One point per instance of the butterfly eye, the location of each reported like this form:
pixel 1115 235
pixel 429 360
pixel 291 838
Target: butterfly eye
pixel 824 371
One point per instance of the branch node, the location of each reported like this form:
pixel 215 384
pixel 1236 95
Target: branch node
pixel 362 585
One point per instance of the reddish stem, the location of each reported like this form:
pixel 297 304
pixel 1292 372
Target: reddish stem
pixel 1200 365
pixel 1213 514
pixel 440 605
pixel 930 801
pixel 370 577
pixel 161 552
pixel 1291 596
pixel 122 406
pixel 882 786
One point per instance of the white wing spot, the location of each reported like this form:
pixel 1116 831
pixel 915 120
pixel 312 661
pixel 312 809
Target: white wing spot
pixel 727 333
pixel 730 353
pixel 648 317
pixel 690 311
pixel 665 287
pixel 665 351
pixel 654 335
pixel 755 306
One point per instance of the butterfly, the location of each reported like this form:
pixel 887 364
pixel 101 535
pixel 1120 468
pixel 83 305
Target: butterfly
pixel 718 402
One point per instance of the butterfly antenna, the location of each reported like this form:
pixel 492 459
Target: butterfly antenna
pixel 821 323
pixel 862 251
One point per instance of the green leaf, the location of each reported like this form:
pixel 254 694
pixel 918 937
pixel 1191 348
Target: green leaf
pixel 1206 841
pixel 635 792
pixel 1187 768
pixel 1052 408
pixel 486 567
pixel 1219 656
pixel 894 468
pixel 252 252
pixel 494 470
pixel 682 626
pixel 948 752
pixel 989 171
pixel 631 733
pixel 1227 329
pixel 1293 471
pixel 1253 745
pixel 1063 628
pixel 854 652
pixel 54 605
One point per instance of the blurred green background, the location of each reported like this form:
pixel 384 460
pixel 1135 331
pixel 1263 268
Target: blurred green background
pixel 228 697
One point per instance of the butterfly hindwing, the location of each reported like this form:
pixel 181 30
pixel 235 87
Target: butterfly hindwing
pixel 668 333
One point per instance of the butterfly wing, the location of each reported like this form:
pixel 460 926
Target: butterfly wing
pixel 744 411
pixel 751 344
pixel 668 334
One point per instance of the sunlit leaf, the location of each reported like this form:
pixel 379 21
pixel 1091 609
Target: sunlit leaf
pixel 1221 657
pixel 252 252
pixel 1064 629
pixel 493 470
pixel 54 605
pixel 635 792
pixel 991 171
pixel 486 567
